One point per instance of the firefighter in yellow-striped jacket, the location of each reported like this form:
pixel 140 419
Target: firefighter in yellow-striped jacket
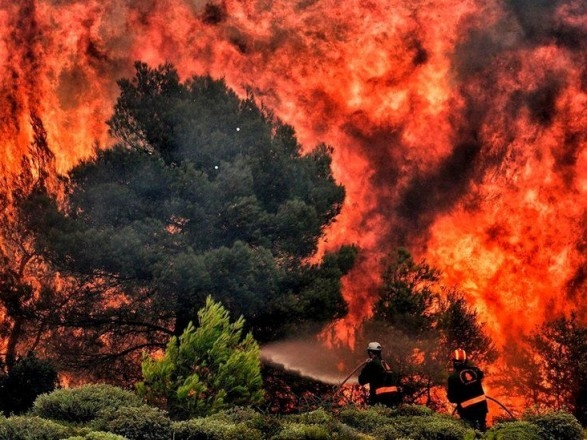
pixel 383 383
pixel 465 388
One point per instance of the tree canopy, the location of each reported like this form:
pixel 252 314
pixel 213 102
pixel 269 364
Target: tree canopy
pixel 204 194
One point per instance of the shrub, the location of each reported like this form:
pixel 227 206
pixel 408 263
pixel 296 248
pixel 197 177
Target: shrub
pixel 368 420
pixel 299 431
pixel 326 421
pixel 557 425
pixel 31 428
pixel 267 424
pixel 135 422
pixel 517 430
pixel 412 410
pixel 28 378
pixel 82 404
pixel 238 414
pixel 214 429
pixel 387 432
pixel 316 417
pixel 210 367
pixel 435 427
pixel 97 435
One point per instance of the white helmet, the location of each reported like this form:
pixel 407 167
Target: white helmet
pixel 374 346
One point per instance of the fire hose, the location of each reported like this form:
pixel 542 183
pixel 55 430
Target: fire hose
pixel 496 401
pixel 348 377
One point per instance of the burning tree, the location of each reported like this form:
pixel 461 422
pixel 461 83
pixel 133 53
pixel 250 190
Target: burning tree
pixel 419 322
pixel 560 355
pixel 27 287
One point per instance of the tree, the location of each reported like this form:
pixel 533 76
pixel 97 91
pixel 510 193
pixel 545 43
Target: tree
pixel 561 348
pixel 207 369
pixel 27 285
pixel 407 293
pixel 459 326
pixel 204 194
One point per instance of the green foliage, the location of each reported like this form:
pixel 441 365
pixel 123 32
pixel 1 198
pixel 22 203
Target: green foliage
pixel 368 420
pixel 408 422
pixel 212 428
pixel 82 404
pixel 518 430
pixel 432 428
pixel 98 435
pixel 407 293
pixel 412 411
pixel 459 326
pixel 300 431
pixel 31 428
pixel 207 369
pixel 316 417
pixel 561 346
pixel 27 379
pixel 557 425
pixel 387 432
pixel 135 423
pixel 205 194
pixel 249 417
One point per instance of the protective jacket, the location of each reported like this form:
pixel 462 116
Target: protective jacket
pixel 466 390
pixel 384 385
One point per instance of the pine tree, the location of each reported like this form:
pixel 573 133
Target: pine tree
pixel 206 369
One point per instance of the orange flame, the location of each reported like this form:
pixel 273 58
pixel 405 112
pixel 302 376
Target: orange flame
pixel 459 127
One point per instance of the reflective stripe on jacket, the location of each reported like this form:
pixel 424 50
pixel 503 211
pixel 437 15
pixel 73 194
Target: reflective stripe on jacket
pixel 383 390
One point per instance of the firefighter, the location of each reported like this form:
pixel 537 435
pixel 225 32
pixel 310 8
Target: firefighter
pixel 383 383
pixel 465 388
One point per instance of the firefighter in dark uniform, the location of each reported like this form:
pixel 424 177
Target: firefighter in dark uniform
pixel 465 388
pixel 384 386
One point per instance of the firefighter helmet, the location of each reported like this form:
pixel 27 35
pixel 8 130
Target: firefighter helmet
pixel 459 355
pixel 374 346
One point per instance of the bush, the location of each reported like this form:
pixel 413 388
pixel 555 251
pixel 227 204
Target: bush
pixel 557 425
pixel 229 372
pixel 325 420
pixel 299 431
pixel 214 429
pixel 28 378
pixel 316 417
pixel 31 428
pixel 368 420
pixel 412 410
pixel 82 404
pixel 97 435
pixel 387 432
pixel 517 430
pixel 135 422
pixel 266 424
pixel 436 427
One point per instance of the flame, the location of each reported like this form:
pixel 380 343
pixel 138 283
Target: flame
pixel 459 127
